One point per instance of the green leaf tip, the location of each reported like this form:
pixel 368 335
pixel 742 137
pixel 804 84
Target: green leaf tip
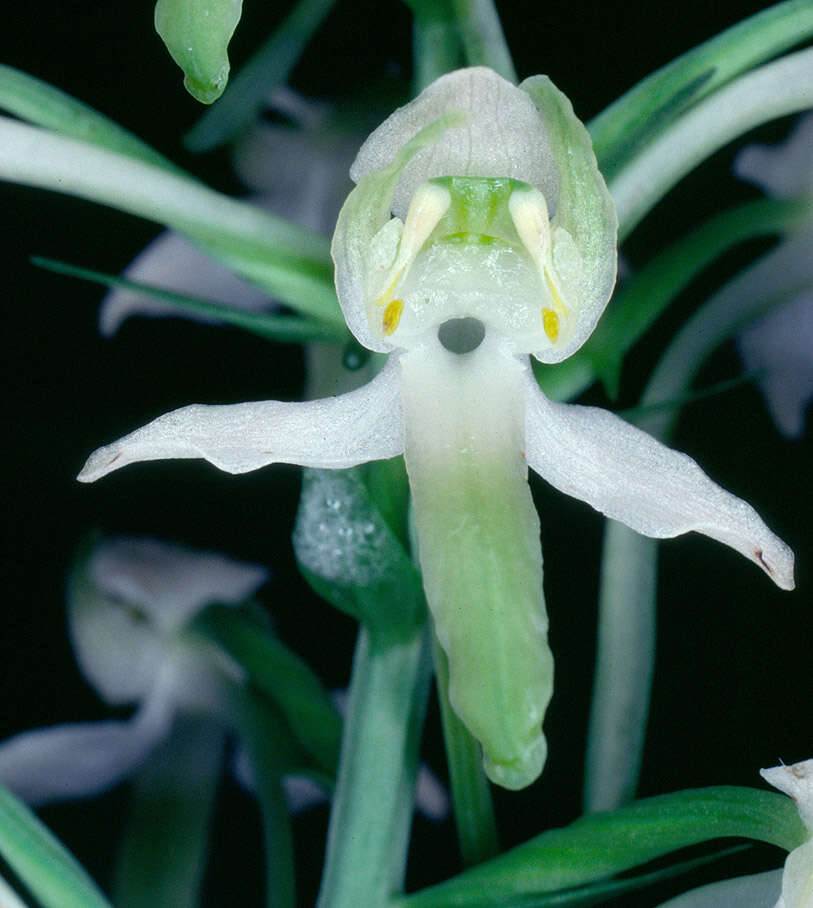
pixel 197 34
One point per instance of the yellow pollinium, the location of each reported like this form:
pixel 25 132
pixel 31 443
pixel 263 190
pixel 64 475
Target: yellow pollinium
pixel 550 322
pixel 392 315
pixel 529 212
pixel 428 205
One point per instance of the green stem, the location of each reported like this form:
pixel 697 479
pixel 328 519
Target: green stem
pixel 435 42
pixel 471 795
pixel 261 728
pixel 372 808
pixel 625 659
pixel 162 856
pixel 484 43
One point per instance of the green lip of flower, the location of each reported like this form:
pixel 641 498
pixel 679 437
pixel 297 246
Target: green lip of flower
pixel 470 423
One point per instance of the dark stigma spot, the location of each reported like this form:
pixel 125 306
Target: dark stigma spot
pixel 461 335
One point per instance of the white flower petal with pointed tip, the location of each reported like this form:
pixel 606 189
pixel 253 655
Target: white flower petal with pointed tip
pixel 172 262
pixel 502 245
pixel 127 609
pixel 779 346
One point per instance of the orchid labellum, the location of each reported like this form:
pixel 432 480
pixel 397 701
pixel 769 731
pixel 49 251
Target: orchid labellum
pixel 480 232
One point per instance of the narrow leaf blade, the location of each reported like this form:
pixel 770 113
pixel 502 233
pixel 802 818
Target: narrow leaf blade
pixel 50 872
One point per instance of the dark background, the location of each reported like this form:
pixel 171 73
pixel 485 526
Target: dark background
pixel 733 683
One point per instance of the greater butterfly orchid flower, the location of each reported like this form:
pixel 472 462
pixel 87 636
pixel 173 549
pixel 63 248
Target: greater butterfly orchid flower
pixel 479 233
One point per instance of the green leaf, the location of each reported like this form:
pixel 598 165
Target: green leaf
pixel 600 893
pixel 775 89
pixel 368 835
pixel 283 328
pixel 249 90
pixel 289 262
pixel 646 110
pixel 283 677
pixel 43 105
pixel 349 554
pixel 263 732
pixel 640 301
pixel 599 846
pixel 43 864
pixel 197 34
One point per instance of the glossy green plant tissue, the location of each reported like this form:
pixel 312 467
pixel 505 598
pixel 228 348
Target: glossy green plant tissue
pixel 197 34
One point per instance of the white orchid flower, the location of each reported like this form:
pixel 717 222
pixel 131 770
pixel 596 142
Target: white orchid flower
pixel 779 346
pixel 502 245
pixel 791 887
pixel 297 171
pixel 127 610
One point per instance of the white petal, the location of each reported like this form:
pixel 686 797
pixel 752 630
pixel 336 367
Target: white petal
pixel 170 582
pixel 797 878
pixel 83 759
pixel 431 798
pixel 302 793
pixel 781 170
pixel 8 897
pixel 334 432
pixel 796 781
pixel 173 263
pixel 626 474
pixel 302 175
pixel 760 890
pixel 780 347
pixel 130 598
pixel 504 137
